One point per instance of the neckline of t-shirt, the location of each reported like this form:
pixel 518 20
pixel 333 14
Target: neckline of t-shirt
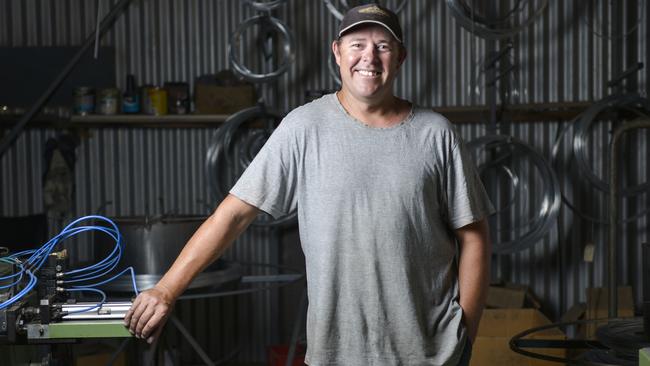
pixel 365 126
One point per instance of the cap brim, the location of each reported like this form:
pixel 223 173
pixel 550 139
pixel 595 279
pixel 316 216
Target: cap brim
pixel 369 21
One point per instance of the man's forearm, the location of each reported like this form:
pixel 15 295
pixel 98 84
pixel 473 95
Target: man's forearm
pixel 209 242
pixel 473 272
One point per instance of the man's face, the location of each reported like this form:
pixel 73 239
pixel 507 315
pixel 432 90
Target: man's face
pixel 369 58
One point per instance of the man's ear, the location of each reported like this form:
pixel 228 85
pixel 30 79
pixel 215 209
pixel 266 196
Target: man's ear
pixel 337 52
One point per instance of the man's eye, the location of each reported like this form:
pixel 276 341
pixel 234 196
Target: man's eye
pixel 355 45
pixel 383 47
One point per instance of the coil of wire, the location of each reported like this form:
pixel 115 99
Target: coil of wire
pixel 579 150
pixel 232 149
pixel 287 47
pixel 621 337
pixel 498 28
pixel 265 5
pixel 548 210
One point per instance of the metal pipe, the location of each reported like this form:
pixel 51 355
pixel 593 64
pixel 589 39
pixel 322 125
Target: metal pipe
pixel 645 260
pixel 645 268
pixel 613 209
pixel 631 71
pixel 297 324
pixel 107 22
pixel 192 341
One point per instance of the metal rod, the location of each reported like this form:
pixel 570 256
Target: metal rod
pixel 188 337
pixel 631 71
pixel 107 22
pixel 645 270
pixel 118 351
pixel 96 52
pixel 297 324
pixel 613 210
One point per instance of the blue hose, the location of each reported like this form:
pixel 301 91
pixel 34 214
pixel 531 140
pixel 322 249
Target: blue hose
pixel 80 276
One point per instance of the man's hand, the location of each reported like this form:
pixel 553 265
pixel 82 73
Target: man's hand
pixel 151 308
pixel 149 313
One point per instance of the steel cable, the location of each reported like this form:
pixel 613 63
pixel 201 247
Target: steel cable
pixel 495 29
pixel 222 155
pixel 520 337
pixel 549 207
pixel 287 47
pixel 581 127
pixel 265 5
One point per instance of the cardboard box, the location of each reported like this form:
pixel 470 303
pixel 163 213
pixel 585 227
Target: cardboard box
pixel 598 306
pixel 505 298
pixel 498 326
pixel 511 296
pixel 215 99
pixel 101 357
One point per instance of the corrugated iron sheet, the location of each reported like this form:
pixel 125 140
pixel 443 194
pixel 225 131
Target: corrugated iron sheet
pixel 567 55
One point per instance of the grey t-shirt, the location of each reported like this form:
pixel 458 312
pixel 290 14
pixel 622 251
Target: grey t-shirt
pixel 376 212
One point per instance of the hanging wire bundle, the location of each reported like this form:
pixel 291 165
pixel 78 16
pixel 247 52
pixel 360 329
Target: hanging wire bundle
pixel 233 147
pixel 509 153
pixel 576 135
pixel 501 27
pixel 85 279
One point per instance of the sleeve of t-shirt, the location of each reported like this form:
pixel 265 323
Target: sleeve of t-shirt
pixel 269 182
pixel 467 200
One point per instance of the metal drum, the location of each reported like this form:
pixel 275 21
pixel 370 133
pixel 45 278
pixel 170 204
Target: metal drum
pixel 151 247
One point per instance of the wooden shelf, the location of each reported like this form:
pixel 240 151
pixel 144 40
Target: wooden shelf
pixel 122 120
pixel 536 112
pixel 141 120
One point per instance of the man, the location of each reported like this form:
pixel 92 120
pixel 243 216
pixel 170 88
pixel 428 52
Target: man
pixel 384 191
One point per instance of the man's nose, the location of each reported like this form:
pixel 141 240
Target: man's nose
pixel 370 52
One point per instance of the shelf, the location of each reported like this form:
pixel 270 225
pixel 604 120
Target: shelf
pixel 141 120
pixel 122 120
pixel 536 112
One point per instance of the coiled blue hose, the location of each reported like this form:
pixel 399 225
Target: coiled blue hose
pixel 82 278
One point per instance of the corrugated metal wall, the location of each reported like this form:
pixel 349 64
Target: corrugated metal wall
pixel 567 55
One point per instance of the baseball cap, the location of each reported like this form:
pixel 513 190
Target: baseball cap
pixel 371 14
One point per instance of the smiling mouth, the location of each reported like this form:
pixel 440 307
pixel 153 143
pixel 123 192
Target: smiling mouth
pixel 369 73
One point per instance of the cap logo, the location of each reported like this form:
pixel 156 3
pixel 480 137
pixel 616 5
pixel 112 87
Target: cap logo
pixel 374 9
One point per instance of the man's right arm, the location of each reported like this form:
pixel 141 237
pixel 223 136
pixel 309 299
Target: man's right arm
pixel 152 307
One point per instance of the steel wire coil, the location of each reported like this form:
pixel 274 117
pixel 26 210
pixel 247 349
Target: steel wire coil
pixel 224 153
pixel 581 127
pixel 496 29
pixel 265 5
pixel 600 30
pixel 621 328
pixel 630 102
pixel 549 207
pixel 287 47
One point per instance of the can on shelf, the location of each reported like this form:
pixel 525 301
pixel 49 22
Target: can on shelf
pixel 178 98
pixel 84 100
pixel 154 100
pixel 108 102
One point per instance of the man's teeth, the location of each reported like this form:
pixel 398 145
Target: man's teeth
pixel 369 73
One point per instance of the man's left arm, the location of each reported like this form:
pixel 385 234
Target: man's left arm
pixel 473 272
